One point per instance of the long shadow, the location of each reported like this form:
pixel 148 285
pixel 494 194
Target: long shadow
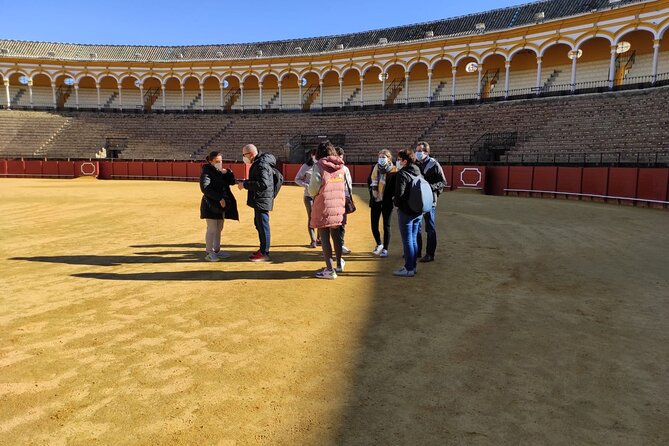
pixel 193 276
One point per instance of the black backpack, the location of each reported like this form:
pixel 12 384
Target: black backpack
pixel 278 180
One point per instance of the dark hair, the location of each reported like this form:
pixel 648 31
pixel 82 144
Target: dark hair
pixel 340 151
pixel 426 146
pixel 325 149
pixel 213 155
pixel 407 155
pixel 310 160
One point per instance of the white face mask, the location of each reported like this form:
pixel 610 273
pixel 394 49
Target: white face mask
pixel 420 156
pixel 383 161
pixel 398 164
pixel 246 160
pixel 218 166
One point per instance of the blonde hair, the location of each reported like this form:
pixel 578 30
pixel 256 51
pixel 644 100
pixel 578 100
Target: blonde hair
pixel 386 153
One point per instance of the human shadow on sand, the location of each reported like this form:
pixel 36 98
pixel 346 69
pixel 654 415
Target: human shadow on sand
pixel 200 275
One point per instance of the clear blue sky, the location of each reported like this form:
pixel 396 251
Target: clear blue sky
pixel 169 22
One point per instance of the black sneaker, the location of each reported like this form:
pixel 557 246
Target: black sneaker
pixel 427 258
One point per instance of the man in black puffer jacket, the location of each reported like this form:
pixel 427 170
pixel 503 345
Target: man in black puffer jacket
pixel 260 185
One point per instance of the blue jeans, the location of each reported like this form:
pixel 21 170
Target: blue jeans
pixel 409 227
pixel 431 231
pixel 261 221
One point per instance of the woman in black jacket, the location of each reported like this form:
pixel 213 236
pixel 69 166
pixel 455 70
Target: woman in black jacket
pixel 409 220
pixel 218 203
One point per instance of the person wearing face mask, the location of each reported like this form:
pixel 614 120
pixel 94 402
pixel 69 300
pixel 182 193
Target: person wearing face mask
pixel 347 192
pixel 433 174
pixel 381 189
pixel 409 220
pixel 260 186
pixel 302 179
pixel 217 204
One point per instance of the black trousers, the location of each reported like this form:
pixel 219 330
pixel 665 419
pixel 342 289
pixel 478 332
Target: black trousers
pixel 379 211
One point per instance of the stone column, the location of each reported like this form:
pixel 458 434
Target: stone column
pixel 183 97
pixel 656 58
pixel 30 92
pixel 573 71
pixel 406 88
pixel 76 96
pixel 162 95
pixel 362 91
pixel 260 95
pixel 429 86
pixel 9 99
pixel 454 72
pixel 53 92
pixel 341 93
pixel 280 96
pixel 612 67
pixel 507 67
pixel 201 97
pixel 539 78
pixel 97 89
pixel 120 97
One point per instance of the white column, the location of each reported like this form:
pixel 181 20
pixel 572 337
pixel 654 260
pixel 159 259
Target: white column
pixel 454 72
pixel 222 91
pixel 241 95
pixel 656 58
pixel 9 99
pixel 30 92
pixel 539 78
pixel 120 96
pixel 260 100
pixel 97 90
pixel 320 91
pixel 480 77
pixel 362 91
pixel 76 96
pixel 612 66
pixel 406 88
pixel 201 97
pixel 383 87
pixel 162 95
pixel 573 71
pixel 429 86
pixel 507 67
pixel 183 97
pixel 299 91
pixel 53 92
pixel 280 97
pixel 141 95
pixel 341 93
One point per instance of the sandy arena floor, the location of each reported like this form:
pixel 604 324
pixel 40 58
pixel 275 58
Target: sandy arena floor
pixel 542 322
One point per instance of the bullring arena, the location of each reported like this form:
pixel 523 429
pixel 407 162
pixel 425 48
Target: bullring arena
pixel 542 321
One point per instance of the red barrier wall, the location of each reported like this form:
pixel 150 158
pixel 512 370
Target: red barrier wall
pixel 623 182
pixel 159 170
pixel 468 177
pixel 653 184
pixel 135 169
pixel 180 169
pixel 32 168
pixel 3 167
pixel 50 168
pixel 569 179
pixel 66 168
pixel 497 179
pixel 15 167
pixel 595 181
pixel 520 177
pixel 360 172
pixel 448 174
pixel 545 178
pixel 290 172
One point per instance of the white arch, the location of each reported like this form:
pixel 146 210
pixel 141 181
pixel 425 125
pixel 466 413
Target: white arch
pixel 210 75
pixel 224 76
pixel 351 68
pixel 626 31
pixel 327 70
pixel 306 71
pixel 112 75
pixel 513 53
pixel 589 37
pixel 283 75
pixel 248 75
pixel 400 63
pixel 11 73
pixel 662 31
pixel 270 73
pixel 463 56
pixel 150 76
pixel 486 55
pixel 555 43
pixel 80 76
pixel 369 66
pixel 186 76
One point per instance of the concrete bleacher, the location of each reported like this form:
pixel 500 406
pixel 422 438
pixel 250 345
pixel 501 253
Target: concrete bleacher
pixel 607 122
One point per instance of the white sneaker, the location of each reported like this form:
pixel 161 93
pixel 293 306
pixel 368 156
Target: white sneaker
pixel 223 255
pixel 345 250
pixel 340 269
pixel 384 253
pixel 403 273
pixel 377 250
pixel 326 274
pixel 211 257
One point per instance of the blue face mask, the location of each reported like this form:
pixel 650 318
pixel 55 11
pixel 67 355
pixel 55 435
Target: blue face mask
pixel 383 161
pixel 420 156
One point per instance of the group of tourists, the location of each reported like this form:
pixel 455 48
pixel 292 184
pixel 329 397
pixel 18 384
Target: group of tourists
pixel 411 183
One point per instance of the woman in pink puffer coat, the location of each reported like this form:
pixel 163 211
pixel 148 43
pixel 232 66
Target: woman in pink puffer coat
pixel 327 186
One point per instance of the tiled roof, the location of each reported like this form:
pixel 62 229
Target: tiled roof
pixel 494 20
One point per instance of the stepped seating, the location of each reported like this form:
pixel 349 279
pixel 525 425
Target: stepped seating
pixel 625 121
